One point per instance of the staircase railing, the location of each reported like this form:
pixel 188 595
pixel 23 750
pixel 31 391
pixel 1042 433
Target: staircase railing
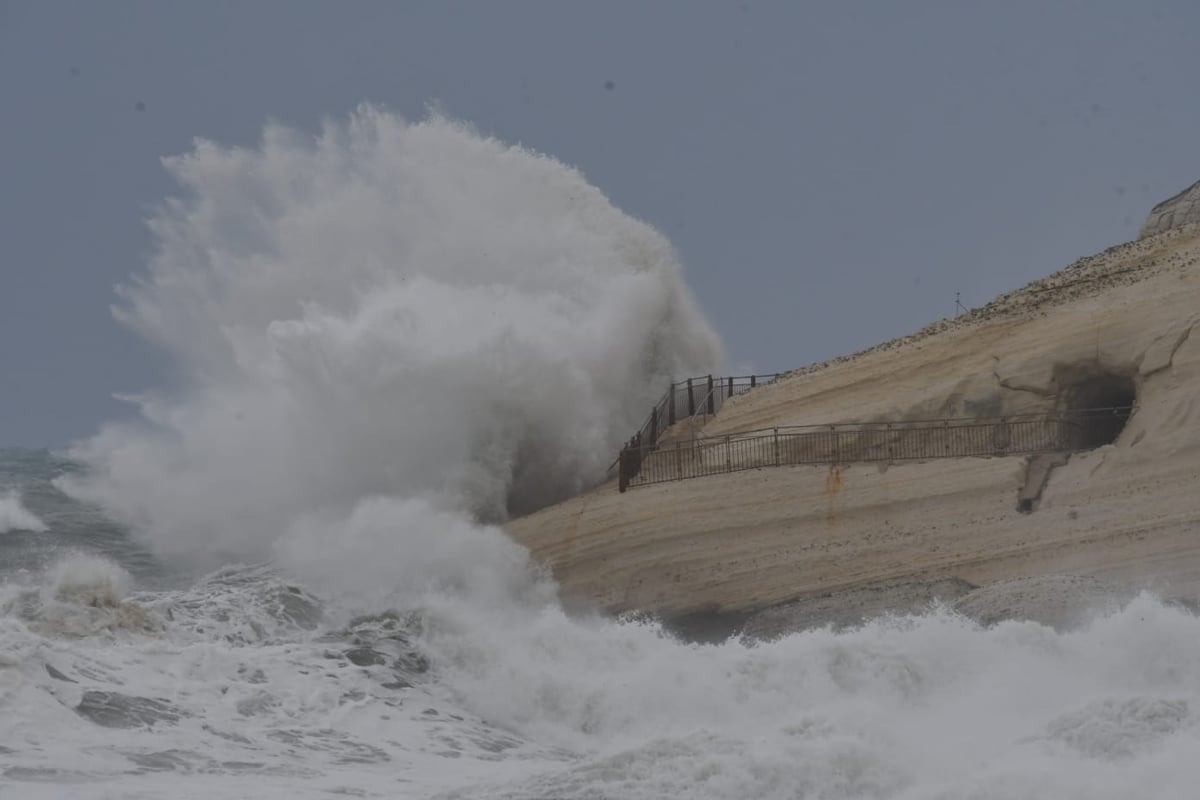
pixel 691 399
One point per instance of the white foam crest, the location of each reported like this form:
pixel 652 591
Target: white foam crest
pixel 15 517
pixel 392 310
pixel 547 707
pixel 931 707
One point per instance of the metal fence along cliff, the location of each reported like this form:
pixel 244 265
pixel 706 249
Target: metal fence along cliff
pixel 642 463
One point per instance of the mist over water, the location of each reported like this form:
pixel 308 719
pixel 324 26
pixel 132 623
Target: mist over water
pixel 408 311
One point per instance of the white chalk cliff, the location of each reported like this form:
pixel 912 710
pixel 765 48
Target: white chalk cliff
pixel 1110 328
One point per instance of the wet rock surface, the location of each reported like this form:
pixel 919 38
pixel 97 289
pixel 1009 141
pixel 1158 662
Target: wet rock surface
pixel 115 710
pixel 365 657
pixel 853 607
pixel 1060 601
pixel 58 676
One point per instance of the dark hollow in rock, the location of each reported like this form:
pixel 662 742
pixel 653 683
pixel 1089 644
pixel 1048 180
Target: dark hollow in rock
pixel 1099 402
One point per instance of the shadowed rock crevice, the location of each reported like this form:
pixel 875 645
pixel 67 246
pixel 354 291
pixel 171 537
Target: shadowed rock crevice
pixel 1037 475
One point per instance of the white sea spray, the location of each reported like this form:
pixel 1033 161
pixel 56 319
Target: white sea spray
pixel 14 516
pixel 394 309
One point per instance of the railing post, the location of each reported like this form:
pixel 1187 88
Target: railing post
pixel 653 425
pixel 728 456
pixel 752 384
pixel 671 405
pixel 777 447
pixel 711 410
pixel 729 391
pixel 691 400
pixel 622 472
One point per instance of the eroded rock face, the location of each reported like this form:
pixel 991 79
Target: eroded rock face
pixel 1174 212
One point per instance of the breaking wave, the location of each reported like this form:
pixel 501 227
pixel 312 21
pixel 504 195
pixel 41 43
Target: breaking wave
pixel 407 311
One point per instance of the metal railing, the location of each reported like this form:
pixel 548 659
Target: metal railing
pixel 691 399
pixel 869 442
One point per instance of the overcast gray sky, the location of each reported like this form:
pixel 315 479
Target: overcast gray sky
pixel 831 173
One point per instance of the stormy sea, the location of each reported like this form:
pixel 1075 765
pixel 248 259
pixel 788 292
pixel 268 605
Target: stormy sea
pixel 282 575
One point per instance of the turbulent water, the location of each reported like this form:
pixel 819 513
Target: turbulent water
pixel 282 581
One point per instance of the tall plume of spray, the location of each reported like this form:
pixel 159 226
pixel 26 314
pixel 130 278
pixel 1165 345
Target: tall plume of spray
pixel 392 312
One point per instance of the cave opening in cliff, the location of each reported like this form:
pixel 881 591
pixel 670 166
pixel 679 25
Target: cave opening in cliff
pixel 1100 404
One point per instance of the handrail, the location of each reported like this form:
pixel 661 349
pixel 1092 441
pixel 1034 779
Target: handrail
pixel 927 421
pixel 847 442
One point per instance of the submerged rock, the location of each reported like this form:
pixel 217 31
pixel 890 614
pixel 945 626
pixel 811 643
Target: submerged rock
pixel 365 657
pixel 115 710
pixel 58 676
